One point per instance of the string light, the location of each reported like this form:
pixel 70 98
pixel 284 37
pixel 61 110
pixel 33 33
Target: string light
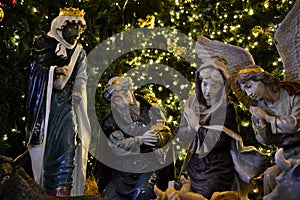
pixel 195 21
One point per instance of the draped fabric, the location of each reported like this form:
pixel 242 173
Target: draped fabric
pixel 217 159
pixel 226 165
pixel 42 59
pixel 53 139
pixel 214 171
pixel 126 185
pixel 282 131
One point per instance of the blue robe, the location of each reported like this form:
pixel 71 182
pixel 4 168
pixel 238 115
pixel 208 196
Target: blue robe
pixel 58 162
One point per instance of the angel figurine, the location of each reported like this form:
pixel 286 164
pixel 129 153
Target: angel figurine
pixel 275 104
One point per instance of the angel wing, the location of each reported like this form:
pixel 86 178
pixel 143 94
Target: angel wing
pixel 235 56
pixel 287 38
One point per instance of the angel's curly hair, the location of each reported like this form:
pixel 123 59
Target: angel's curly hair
pixel 266 78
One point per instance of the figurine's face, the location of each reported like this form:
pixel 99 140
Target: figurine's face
pixel 254 89
pixel 71 32
pixel 211 90
pixel 123 99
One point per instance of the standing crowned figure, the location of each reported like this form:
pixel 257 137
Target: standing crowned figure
pixel 57 125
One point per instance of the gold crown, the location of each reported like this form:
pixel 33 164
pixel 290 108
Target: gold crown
pixel 71 12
